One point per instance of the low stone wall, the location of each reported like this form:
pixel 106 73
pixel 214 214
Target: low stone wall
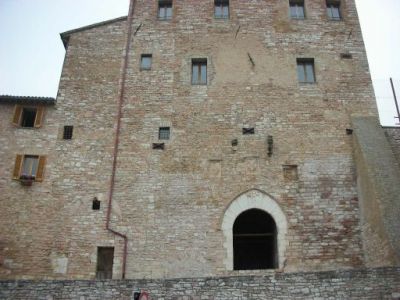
pixel 382 283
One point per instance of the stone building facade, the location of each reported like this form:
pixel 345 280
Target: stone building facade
pixel 228 107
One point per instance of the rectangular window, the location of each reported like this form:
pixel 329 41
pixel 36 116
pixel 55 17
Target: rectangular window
pixel 333 10
pixel 29 167
pixel 199 71
pixel 165 9
pixel 221 9
pixel 305 70
pixel 28 116
pixel 163 133
pixel 297 9
pixel 68 131
pixel 145 61
pixel 105 260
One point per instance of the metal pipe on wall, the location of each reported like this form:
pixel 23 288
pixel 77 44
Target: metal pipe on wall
pixel 121 95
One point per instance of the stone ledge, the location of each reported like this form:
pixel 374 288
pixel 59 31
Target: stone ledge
pixel 380 283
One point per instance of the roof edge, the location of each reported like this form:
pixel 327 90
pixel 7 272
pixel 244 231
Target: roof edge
pixel 27 100
pixel 65 35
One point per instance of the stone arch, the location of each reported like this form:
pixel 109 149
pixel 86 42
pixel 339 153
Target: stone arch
pixel 253 199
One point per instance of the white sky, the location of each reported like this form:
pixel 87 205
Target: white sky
pixel 31 51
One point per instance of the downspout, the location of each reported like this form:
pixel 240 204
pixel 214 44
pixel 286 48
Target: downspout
pixel 121 94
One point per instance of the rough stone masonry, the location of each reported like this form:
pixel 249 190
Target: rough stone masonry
pixel 178 205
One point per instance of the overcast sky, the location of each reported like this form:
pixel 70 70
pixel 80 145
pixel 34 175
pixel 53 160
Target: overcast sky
pixel 31 52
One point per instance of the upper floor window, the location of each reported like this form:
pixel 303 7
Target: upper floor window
pixel 163 133
pixel 199 71
pixel 29 167
pixel 305 70
pixel 333 10
pixel 221 9
pixel 165 9
pixel 297 9
pixel 28 116
pixel 67 132
pixel 145 61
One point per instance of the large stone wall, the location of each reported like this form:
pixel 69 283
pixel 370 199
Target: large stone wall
pixel 365 284
pixel 171 204
pixel 393 137
pixel 378 175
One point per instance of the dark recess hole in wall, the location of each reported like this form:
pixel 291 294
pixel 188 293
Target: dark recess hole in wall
pixel 105 260
pixel 254 241
pixel 95 204
pixel 28 117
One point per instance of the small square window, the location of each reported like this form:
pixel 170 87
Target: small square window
pixel 145 61
pixel 164 133
pixel 333 10
pixel 165 9
pixel 68 131
pixel 199 71
pixel 297 9
pixel 221 9
pixel 305 70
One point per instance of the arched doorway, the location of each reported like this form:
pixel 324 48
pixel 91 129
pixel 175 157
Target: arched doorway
pixel 257 200
pixel 254 241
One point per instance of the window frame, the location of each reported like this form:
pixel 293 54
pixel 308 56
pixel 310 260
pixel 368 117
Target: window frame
pixel 164 133
pixel 199 63
pixel 304 63
pixel 221 4
pixel 19 113
pixel 146 56
pixel 165 4
pixel 297 4
pixel 330 4
pixel 19 167
pixel 68 132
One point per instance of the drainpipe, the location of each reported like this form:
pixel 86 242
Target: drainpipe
pixel 121 94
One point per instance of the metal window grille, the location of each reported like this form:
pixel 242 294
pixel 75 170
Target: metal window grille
pixel 164 133
pixel 68 131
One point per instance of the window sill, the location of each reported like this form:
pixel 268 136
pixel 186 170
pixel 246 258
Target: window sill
pixel 164 19
pixel 30 128
pixel 307 83
pixel 145 69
